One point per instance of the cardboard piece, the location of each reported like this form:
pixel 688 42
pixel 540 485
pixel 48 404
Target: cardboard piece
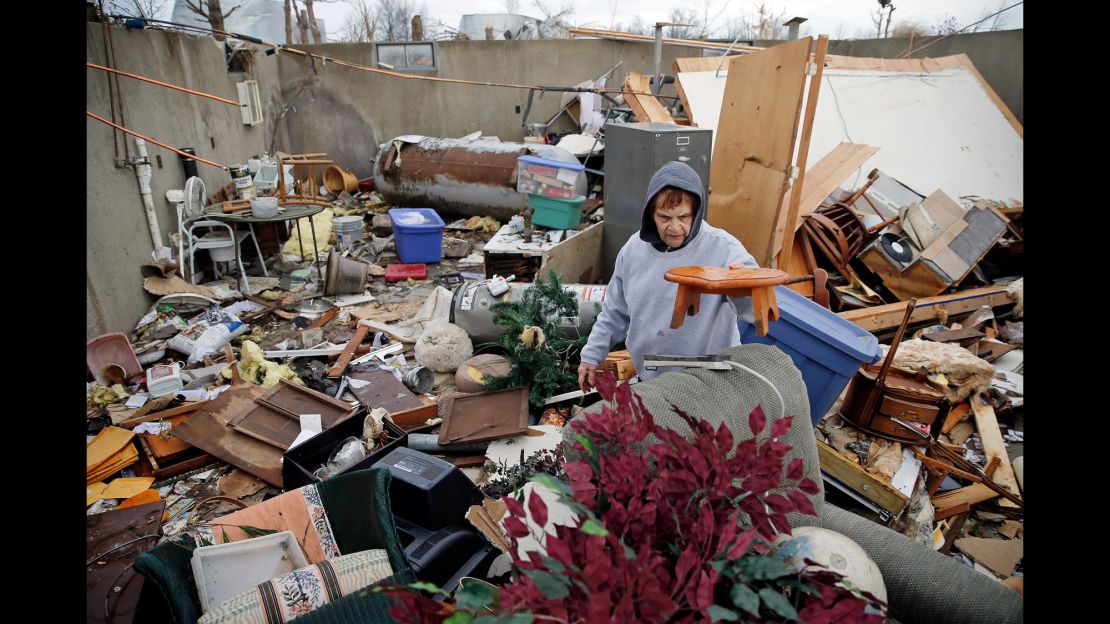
pixel 238 484
pixel 1010 528
pixel 930 218
pixel 173 285
pixel 1000 556
pixel 487 519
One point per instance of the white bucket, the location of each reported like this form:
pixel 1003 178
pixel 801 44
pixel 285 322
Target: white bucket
pixel 348 230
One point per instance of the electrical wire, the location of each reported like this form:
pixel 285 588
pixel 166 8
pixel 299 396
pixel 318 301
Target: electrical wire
pixel 150 140
pixel 911 51
pixel 782 404
pixel 384 72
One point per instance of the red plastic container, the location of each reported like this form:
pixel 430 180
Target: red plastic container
pixel 400 272
pixel 111 348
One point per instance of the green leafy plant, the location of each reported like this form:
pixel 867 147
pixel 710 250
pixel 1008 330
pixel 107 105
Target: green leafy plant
pixel 540 359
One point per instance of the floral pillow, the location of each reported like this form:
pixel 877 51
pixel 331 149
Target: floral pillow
pixel 294 594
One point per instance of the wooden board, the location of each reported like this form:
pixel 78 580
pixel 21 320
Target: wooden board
pixel 754 147
pixel 917 280
pixel 184 408
pixel 698 64
pixel 208 431
pixel 624 36
pixel 646 107
pixel 484 416
pixel 788 212
pixel 881 317
pixel 383 391
pixel 576 260
pixel 987 425
pixel 859 480
pixel 275 417
pixel 822 179
pixel 970 495
pixel 348 352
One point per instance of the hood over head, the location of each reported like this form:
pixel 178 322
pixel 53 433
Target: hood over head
pixel 682 176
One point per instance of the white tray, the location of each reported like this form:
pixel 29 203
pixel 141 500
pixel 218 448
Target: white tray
pixel 224 570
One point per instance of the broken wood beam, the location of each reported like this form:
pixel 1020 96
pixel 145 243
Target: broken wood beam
pixel 348 352
pixel 791 217
pixel 994 447
pixel 876 318
pixel 970 495
pixel 173 411
pixel 637 92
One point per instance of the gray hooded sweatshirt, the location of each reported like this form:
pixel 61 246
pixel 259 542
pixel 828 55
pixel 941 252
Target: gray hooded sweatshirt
pixel 638 301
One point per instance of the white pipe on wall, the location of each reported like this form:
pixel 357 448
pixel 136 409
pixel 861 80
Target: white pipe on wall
pixel 143 172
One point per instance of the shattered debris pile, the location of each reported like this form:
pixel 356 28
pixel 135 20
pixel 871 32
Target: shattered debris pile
pixel 348 375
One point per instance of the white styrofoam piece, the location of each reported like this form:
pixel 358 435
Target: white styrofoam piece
pixel 907 474
pixel 224 570
pixel 557 513
pixel 507 450
pixel 1010 361
pixel 936 130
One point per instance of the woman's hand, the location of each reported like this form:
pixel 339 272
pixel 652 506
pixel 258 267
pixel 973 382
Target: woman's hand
pixel 586 372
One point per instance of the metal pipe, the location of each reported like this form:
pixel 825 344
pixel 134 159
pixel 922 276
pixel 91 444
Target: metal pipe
pixel 136 134
pixel 163 84
pixel 657 86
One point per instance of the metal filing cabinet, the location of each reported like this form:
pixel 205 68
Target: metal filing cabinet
pixel 633 153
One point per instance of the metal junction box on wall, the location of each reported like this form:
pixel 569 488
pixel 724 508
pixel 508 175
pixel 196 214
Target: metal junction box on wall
pixel 633 153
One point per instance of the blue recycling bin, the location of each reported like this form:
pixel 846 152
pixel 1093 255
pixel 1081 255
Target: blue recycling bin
pixel 827 349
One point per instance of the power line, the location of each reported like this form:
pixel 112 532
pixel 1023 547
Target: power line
pixel 961 30
pixel 366 68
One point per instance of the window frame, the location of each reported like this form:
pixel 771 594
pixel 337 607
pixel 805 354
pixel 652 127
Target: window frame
pixel 404 45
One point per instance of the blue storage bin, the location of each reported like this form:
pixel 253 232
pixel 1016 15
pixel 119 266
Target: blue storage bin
pixel 417 234
pixel 827 349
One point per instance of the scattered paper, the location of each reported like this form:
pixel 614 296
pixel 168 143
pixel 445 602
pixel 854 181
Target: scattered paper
pixel 137 400
pixel 357 383
pixel 311 422
pixel 153 427
pixel 906 476
pixel 344 301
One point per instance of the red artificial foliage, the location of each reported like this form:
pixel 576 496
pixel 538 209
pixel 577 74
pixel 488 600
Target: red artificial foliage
pixel 662 535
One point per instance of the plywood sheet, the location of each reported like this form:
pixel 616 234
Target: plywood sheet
pixel 937 130
pixel 754 145
pixel 208 431
pixel 938 123
pixel 576 260
pixel 698 64
pixel 484 416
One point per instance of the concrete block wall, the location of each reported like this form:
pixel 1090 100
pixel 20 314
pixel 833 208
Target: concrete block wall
pixel 324 107
pixel 348 112
pixel 118 238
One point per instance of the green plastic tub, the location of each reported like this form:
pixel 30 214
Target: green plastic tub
pixel 557 214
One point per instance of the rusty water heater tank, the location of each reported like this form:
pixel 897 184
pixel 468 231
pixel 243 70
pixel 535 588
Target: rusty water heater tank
pixel 465 177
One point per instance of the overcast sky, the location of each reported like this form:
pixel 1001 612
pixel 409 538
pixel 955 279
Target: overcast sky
pixel 836 18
